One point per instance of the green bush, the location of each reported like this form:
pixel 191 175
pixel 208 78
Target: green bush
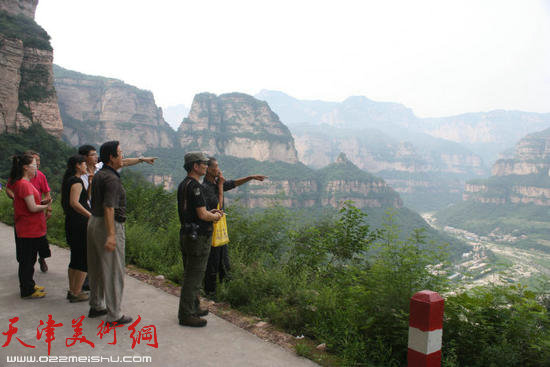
pixel 504 325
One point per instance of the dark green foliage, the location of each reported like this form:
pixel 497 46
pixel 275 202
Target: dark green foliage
pixel 35 86
pixel 529 223
pixel 24 29
pixel 53 153
pixel 505 326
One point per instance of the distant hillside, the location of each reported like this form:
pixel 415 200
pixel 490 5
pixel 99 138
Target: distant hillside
pixel 382 138
pixel 96 109
pixel 292 184
pixel 513 204
pixel 486 133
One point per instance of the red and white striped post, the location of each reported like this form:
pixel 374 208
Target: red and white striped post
pixel 425 330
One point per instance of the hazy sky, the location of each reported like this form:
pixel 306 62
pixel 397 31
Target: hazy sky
pixel 438 57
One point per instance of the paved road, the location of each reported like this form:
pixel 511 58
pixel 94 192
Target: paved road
pixel 219 344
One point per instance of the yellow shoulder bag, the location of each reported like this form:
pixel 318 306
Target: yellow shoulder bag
pixel 220 236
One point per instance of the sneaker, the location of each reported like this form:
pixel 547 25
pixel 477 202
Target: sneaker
pixel 69 295
pixel 202 312
pixel 123 320
pixel 39 288
pixel 43 265
pixel 193 321
pixel 36 294
pixel 80 298
pixel 96 313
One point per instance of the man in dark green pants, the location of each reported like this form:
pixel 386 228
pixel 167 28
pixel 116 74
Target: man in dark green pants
pixel 195 237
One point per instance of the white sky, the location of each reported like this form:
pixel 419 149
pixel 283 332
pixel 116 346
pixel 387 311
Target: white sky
pixel 438 57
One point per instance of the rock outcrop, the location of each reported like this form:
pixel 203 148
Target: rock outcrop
pixel 523 179
pixel 26 8
pixel 237 125
pixel 97 109
pixel 27 94
pixel 331 186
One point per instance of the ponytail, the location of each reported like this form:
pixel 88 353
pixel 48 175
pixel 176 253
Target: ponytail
pixel 17 163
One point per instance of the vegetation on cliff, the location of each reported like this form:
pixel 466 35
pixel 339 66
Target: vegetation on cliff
pixel 53 152
pixel 524 225
pixel 25 29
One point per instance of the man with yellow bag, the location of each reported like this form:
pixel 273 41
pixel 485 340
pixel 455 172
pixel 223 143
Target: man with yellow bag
pixel 195 237
pixel 214 185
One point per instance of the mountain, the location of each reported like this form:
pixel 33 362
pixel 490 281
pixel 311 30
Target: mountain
pixel 382 138
pixel 174 115
pixel 354 112
pixel 513 204
pixel 27 94
pixel 238 125
pixel 95 109
pixel 486 133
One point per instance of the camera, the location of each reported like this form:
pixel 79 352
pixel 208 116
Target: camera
pixel 192 230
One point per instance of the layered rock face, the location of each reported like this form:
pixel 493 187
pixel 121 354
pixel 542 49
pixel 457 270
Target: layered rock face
pixel 237 125
pixel 523 179
pixel 331 186
pixel 27 94
pixel 19 7
pixel 97 109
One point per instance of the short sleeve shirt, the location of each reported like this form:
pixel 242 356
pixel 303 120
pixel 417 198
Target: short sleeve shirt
pixel 107 191
pixel 27 224
pixel 192 191
pixel 85 177
pixel 40 182
pixel 211 192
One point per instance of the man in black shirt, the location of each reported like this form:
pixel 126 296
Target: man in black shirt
pixel 214 185
pixel 195 237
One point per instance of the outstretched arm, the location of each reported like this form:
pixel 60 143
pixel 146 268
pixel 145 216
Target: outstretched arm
pixel 133 161
pixel 240 181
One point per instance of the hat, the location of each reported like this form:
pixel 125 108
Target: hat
pixel 193 157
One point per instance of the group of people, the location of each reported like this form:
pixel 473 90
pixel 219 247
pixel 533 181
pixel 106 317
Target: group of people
pixel 94 203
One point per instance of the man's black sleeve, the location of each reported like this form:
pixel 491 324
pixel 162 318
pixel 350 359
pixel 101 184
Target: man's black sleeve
pixel 195 196
pixel 229 185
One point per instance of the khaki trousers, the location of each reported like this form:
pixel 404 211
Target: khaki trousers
pixel 105 269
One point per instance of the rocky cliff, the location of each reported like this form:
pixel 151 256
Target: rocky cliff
pixel 328 187
pixel 236 125
pixel 522 179
pixel 25 8
pixel 27 94
pixel 97 109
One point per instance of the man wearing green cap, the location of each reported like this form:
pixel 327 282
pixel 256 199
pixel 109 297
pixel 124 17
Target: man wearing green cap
pixel 195 237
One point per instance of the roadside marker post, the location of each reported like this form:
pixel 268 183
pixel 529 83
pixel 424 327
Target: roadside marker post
pixel 425 330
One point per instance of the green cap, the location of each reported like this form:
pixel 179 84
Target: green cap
pixel 193 157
